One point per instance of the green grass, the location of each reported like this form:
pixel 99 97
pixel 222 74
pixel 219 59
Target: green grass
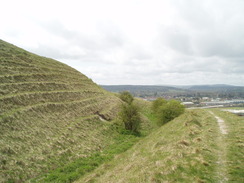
pixel 234 145
pixel 122 141
pixel 49 116
pixel 74 170
pixel 186 149
pixel 56 126
pixel 149 120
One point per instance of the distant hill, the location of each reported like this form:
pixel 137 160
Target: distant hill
pixel 175 88
pixel 218 87
pixel 50 114
pixel 144 90
pixel 136 88
pixel 178 90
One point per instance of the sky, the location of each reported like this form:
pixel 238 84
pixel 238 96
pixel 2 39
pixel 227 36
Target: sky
pixel 136 42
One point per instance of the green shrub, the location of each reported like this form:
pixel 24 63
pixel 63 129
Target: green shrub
pixel 129 114
pixel 130 117
pixel 169 111
pixel 126 97
pixel 157 104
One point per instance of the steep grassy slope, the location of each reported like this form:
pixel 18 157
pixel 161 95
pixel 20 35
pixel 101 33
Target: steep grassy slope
pixel 122 141
pixel 50 114
pixel 187 149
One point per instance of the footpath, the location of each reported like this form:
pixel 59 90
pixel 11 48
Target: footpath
pixel 221 163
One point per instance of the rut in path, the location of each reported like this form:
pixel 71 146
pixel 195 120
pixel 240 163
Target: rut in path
pixel 221 163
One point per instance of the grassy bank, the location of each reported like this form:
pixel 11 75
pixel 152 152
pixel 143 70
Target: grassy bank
pixel 120 142
pixel 234 145
pixel 78 168
pixel 183 150
pixel 190 148
pixel 50 114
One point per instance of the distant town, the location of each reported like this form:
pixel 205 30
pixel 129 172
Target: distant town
pixel 203 101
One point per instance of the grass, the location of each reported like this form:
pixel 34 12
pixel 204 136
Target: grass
pixel 56 127
pixel 49 114
pixel 184 150
pixel 234 144
pixel 149 121
pixel 74 170
pixel 123 141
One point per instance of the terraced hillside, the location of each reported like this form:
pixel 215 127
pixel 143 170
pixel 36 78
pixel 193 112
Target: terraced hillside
pixel 49 114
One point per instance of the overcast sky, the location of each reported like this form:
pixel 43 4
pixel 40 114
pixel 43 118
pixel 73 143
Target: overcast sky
pixel 163 42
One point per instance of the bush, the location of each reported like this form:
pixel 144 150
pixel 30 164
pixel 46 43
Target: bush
pixel 129 114
pixel 169 111
pixel 130 117
pixel 166 110
pixel 126 97
pixel 157 104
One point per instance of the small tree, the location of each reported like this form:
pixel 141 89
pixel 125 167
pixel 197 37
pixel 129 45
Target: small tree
pixel 126 97
pixel 159 102
pixel 169 111
pixel 129 113
pixel 130 117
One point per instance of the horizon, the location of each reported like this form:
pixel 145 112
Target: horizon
pixel 168 85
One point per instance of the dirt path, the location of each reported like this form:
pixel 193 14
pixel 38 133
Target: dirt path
pixel 221 123
pixel 221 152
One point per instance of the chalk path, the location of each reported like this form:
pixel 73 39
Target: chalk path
pixel 221 170
pixel 221 123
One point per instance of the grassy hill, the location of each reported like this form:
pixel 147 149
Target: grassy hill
pixel 187 149
pixel 50 114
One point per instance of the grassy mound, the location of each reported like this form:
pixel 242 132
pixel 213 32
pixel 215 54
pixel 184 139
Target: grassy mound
pixel 187 149
pixel 50 114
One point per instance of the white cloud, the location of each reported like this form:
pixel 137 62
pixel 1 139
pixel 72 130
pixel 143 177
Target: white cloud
pixel 134 41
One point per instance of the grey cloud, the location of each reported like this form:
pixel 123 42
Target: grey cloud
pixel 221 43
pixel 201 41
pixel 93 48
pixel 234 66
pixel 209 65
pixel 198 14
pixel 48 51
pixel 210 28
pixel 58 29
pixel 108 35
pixel 111 35
pixel 140 54
pixel 178 40
pixel 57 52
pixel 137 56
